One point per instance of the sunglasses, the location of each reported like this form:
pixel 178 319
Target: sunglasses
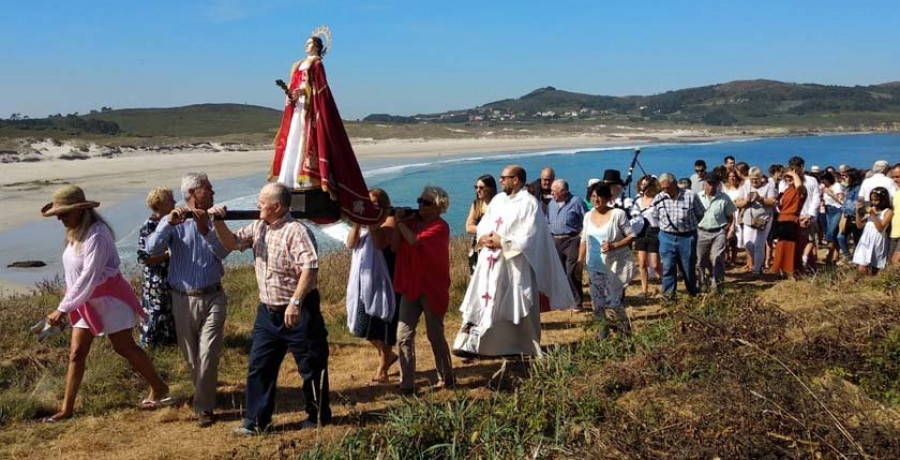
pixel 506 177
pixel 699 171
pixel 479 187
pixel 424 202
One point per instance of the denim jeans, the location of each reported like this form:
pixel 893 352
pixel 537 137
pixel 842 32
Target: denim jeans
pixel 678 251
pixel 832 222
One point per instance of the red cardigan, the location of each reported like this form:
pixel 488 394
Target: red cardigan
pixel 424 268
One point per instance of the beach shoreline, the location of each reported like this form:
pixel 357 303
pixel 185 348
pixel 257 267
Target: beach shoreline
pixel 26 186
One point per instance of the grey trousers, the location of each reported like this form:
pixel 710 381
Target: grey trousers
pixel 711 258
pixel 410 312
pixel 199 325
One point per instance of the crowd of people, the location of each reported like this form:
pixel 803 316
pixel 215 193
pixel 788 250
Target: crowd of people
pixel 531 245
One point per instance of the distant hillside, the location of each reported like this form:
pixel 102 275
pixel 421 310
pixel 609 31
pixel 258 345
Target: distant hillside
pixel 747 102
pixel 193 120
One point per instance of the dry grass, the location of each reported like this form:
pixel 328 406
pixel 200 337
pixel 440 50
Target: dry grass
pixel 787 369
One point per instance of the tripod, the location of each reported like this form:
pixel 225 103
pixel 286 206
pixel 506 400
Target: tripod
pixel 626 188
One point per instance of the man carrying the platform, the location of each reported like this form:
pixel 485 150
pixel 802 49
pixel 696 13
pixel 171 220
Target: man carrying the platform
pixel 288 316
pixel 517 262
pixel 195 276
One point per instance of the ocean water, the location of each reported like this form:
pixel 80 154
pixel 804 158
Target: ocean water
pixel 42 240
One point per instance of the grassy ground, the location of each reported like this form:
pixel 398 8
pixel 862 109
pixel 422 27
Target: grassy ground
pixel 803 368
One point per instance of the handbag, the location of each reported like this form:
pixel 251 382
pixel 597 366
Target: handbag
pixel 467 340
pixel 759 223
pixel 758 218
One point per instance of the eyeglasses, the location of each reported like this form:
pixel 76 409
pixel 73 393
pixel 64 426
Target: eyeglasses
pixel 424 202
pixel 506 177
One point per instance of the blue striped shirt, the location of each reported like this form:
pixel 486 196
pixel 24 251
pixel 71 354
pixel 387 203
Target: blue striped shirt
pixel 195 260
pixel 566 218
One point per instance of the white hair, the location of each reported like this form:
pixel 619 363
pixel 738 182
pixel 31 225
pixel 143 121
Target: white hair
pixel 192 181
pixel 879 167
pixel 755 172
pixel 667 177
pixel 563 185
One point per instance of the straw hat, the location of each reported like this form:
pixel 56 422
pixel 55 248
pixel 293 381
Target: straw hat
pixel 68 198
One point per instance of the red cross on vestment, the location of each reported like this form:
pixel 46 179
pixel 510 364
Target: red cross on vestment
pixel 486 297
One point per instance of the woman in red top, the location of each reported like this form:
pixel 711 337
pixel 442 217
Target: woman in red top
pixel 422 278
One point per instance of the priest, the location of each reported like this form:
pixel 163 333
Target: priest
pixel 517 263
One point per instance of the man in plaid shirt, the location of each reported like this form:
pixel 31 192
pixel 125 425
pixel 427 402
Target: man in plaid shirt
pixel 288 316
pixel 677 211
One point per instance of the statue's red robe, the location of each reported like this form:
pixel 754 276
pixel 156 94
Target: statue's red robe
pixel 328 158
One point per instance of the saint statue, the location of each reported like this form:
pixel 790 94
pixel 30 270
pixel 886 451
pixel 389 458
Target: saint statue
pixel 312 150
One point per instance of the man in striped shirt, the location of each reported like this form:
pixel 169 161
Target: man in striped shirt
pixel 195 276
pixel 288 316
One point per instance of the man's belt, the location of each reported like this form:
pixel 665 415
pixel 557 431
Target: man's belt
pixel 683 234
pixel 565 235
pixel 712 230
pixel 211 289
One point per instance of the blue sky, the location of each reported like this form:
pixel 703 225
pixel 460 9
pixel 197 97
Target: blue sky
pixel 407 57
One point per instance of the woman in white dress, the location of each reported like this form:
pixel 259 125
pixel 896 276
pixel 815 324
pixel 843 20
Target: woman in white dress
pixel 731 186
pixel 605 250
pixel 98 300
pixel 756 202
pixel 870 255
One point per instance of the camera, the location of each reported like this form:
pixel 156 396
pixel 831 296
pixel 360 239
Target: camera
pixel 407 211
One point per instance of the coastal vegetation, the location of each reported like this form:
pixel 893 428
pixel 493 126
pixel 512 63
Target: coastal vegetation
pixel 807 368
pixel 744 105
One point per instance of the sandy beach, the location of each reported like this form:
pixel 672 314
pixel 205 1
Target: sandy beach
pixel 112 180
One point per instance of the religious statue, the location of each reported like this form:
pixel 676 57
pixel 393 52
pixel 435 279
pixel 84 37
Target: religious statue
pixel 312 150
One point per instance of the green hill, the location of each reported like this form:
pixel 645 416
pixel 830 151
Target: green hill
pixel 193 120
pixel 743 102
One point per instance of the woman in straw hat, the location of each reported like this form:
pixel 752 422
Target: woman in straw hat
pixel 98 300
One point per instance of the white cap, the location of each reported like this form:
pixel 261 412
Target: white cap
pixel 592 181
pixel 815 169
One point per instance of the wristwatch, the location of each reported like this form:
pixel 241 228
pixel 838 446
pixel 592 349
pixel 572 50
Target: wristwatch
pixel 295 302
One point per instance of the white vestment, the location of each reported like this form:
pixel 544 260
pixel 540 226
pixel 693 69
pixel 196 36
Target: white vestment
pixel 503 299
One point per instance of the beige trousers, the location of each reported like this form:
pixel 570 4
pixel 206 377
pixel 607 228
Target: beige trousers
pixel 199 325
pixel 410 312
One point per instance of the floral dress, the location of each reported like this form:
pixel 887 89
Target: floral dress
pixel 156 299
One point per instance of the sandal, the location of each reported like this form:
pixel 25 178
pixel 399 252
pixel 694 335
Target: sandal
pixel 150 404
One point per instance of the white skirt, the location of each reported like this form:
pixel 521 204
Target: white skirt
pixel 115 315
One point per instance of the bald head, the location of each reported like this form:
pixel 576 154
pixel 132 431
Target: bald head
pixel 512 179
pixel 274 202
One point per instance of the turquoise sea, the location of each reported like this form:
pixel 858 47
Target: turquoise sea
pixel 42 240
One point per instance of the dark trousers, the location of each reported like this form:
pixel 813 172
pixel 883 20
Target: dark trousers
pixel 308 342
pixel 568 254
